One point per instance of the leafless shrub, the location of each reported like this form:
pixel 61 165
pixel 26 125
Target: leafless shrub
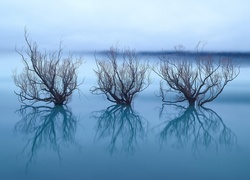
pixel 46 77
pixel 198 79
pixel 121 79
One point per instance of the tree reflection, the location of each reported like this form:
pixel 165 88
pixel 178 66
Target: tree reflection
pixel 122 124
pixel 202 128
pixel 46 127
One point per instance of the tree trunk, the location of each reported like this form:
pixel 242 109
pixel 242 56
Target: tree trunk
pixel 191 101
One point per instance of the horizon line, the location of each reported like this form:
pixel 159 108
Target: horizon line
pixel 153 52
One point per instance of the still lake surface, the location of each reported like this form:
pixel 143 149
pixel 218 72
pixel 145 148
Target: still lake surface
pixel 91 138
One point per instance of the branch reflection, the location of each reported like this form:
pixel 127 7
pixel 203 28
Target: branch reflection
pixel 46 127
pixel 201 128
pixel 122 125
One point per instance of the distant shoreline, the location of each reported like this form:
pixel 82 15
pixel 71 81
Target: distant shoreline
pixel 155 53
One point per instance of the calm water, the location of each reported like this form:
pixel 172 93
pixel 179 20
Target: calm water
pixel 92 138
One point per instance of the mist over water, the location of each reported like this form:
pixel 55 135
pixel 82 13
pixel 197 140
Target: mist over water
pixel 91 138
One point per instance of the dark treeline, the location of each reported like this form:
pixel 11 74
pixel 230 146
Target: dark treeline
pixel 190 53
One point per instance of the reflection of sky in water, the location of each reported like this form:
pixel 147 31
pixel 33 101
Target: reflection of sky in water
pixel 239 89
pixel 156 152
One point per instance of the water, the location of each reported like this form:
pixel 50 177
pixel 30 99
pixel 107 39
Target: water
pixel 92 138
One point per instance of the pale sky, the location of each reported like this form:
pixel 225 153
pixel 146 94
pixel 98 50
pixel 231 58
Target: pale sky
pixel 146 25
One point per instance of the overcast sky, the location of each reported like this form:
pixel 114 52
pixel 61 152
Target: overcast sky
pixel 150 25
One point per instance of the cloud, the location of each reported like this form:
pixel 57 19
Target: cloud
pixel 145 24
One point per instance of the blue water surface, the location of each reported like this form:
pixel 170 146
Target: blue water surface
pixel 91 138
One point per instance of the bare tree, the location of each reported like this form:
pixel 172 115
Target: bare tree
pixel 121 76
pixel 198 78
pixel 46 77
